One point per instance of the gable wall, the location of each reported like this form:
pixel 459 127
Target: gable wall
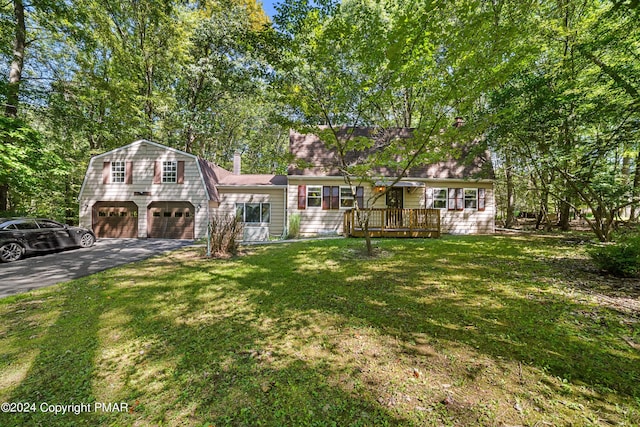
pixel 143 156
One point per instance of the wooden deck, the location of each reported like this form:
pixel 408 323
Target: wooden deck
pixel 395 223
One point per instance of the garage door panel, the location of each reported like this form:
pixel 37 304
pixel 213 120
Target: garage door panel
pixel 115 219
pixel 171 220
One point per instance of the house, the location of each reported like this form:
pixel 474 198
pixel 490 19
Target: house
pixel 148 190
pixel 460 189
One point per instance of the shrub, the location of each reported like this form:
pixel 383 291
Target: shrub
pixel 225 234
pixel 294 226
pixel 622 259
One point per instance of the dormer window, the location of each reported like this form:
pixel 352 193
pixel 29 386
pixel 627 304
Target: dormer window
pixel 117 172
pixel 170 171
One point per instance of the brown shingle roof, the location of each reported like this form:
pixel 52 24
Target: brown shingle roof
pixel 210 173
pixel 214 175
pixel 314 159
pixel 253 179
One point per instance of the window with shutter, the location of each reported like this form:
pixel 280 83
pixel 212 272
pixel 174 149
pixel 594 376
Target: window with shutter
pixel 170 171
pixel 314 196
pixel 436 198
pixel 346 197
pixel 118 174
pixel 470 198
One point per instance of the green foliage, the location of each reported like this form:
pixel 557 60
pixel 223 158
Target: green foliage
pixel 621 258
pixel 293 230
pixel 567 117
pixel 29 166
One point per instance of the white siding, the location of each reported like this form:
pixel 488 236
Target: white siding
pixel 143 156
pixel 469 221
pixel 315 220
pixel 275 196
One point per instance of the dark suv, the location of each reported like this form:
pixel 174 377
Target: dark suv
pixel 19 236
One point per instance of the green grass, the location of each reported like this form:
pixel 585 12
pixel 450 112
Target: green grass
pixel 476 330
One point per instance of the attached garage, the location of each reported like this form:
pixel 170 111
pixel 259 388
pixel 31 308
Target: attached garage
pixel 115 219
pixel 171 220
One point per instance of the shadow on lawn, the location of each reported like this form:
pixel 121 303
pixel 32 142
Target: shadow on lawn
pixel 197 342
pixel 480 307
pixel 188 357
pixel 63 367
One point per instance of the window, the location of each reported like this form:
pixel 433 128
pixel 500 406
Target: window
pixel 178 214
pixel 265 212
pixel 470 198
pixel 118 172
pixel 464 198
pixel 440 198
pixel 314 196
pixel 329 197
pixel 170 171
pixel 436 198
pixel 346 197
pixel 253 212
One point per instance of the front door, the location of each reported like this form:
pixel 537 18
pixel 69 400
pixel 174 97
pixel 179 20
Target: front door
pixel 395 197
pixel 394 207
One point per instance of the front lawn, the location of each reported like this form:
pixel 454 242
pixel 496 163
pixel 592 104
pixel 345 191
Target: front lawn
pixel 476 330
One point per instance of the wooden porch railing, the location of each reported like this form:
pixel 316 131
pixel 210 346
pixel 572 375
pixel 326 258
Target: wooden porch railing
pixel 395 223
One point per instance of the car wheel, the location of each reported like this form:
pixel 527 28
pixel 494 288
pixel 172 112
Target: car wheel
pixel 87 240
pixel 11 252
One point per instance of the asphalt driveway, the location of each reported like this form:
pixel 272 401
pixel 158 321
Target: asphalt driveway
pixel 39 271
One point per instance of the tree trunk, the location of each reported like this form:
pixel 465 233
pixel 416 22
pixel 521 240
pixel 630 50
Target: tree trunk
pixel 565 215
pixel 17 63
pixel 626 176
pixel 511 196
pixel 633 214
pixel 13 87
pixel 363 222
